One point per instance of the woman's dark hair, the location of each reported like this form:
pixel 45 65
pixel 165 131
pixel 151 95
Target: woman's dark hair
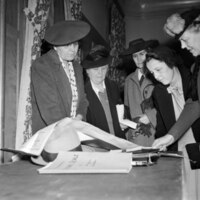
pixel 163 54
pixel 167 55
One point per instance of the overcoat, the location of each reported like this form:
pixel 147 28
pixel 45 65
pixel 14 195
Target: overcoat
pixel 190 113
pixel 134 95
pixel 51 93
pixel 165 111
pixel 95 113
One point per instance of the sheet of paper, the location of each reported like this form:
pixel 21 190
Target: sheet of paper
pixel 36 143
pixel 84 137
pixel 127 122
pixel 89 162
pixel 97 133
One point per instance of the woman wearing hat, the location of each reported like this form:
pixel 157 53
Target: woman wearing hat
pixel 56 78
pixel 103 94
pixel 189 36
pixel 137 91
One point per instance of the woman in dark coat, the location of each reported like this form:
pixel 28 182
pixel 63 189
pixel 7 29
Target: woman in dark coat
pixel 169 98
pixel 102 94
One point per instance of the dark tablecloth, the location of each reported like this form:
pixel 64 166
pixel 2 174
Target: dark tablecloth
pixel 162 181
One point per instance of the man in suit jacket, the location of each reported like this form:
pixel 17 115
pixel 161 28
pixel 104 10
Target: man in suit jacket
pixel 57 88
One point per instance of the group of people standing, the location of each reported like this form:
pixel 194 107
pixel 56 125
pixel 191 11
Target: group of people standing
pixel 162 95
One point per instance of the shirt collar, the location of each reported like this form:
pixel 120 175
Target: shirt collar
pixel 94 87
pixel 140 74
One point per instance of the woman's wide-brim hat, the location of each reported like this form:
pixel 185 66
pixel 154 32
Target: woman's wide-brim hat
pixel 98 56
pixel 139 45
pixel 66 32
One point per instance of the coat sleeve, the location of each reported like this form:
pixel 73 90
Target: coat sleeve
pixel 189 115
pixel 151 114
pixel 160 127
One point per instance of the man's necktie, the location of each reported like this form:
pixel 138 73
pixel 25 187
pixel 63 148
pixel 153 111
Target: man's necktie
pixel 141 80
pixel 72 81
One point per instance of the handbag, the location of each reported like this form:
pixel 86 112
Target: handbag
pixel 193 150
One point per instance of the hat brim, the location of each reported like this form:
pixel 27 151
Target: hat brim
pixel 87 64
pixel 39 160
pixel 66 32
pixel 134 49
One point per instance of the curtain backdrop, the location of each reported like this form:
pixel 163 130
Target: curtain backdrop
pixel 37 14
pixel 117 43
pixel 73 9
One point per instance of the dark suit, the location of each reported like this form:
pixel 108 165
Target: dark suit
pixel 165 110
pixel 96 115
pixel 51 91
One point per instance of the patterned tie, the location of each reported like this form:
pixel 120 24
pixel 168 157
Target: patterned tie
pixel 72 80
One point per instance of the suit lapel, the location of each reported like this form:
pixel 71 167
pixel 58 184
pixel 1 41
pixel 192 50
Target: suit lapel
pixel 63 84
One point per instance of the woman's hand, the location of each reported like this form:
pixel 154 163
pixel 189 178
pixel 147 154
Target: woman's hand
pixel 78 117
pixel 123 126
pixel 163 142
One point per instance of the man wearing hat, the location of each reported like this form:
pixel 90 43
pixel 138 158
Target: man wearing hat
pixel 103 94
pixel 57 88
pixel 137 92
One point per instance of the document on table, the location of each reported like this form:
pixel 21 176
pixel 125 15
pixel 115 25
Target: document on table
pixel 89 162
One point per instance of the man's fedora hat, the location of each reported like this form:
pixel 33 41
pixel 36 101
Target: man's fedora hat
pixel 189 17
pixel 66 32
pixel 63 138
pixel 139 45
pixel 97 57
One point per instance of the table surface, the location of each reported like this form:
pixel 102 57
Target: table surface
pixel 162 181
